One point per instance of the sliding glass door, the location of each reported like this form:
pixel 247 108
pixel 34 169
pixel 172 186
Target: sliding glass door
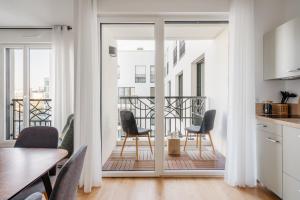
pixel 157 72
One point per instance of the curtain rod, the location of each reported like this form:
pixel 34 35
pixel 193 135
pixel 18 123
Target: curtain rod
pixel 30 28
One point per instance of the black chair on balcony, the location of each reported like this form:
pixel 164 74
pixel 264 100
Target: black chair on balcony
pixel 131 130
pixel 205 128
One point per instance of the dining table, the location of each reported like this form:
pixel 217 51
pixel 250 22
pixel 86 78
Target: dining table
pixel 21 167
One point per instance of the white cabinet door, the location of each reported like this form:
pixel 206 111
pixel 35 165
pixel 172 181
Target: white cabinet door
pixel 281 51
pixel 291 151
pixel 291 188
pixel 270 161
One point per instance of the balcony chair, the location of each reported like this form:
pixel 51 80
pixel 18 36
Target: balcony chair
pixel 37 137
pixel 206 126
pixel 66 184
pixel 131 130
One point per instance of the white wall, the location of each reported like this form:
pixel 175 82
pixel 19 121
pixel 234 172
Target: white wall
pixel 193 50
pixel 162 6
pixel 127 60
pixel 109 96
pixel 216 86
pixel 268 15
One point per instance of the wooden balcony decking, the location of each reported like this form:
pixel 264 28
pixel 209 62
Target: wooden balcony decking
pixel 187 160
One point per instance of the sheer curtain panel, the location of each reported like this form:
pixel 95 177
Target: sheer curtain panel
pixel 241 141
pixel 87 90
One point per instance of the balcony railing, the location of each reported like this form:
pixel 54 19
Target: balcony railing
pixel 179 112
pixel 40 112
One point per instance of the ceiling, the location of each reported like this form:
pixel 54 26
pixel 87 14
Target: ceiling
pixel 172 31
pixel 24 13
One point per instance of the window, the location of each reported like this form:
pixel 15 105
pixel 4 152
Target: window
pixel 181 48
pixel 126 91
pixel 140 74
pixel 175 55
pixel 28 97
pixel 167 67
pixel 152 73
pixel 152 91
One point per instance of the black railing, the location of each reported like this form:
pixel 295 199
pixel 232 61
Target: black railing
pixel 40 112
pixel 179 112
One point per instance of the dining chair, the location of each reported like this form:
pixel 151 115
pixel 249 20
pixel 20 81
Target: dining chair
pixel 37 137
pixel 205 128
pixel 66 184
pixel 131 130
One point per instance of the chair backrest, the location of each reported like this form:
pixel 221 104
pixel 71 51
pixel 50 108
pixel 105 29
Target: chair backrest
pixel 66 183
pixel 208 121
pixel 128 122
pixel 70 119
pixel 38 137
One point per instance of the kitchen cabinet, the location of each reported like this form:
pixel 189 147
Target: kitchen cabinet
pixel 281 49
pixel 291 163
pixel 269 154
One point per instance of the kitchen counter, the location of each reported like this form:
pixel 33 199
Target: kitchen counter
pixel 292 122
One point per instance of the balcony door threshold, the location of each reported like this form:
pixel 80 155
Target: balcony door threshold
pixel 166 173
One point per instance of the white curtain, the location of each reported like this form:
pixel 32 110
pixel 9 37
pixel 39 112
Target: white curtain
pixel 241 141
pixel 62 75
pixel 87 90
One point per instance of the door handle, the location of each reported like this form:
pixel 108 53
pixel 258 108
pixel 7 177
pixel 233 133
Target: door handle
pixel 272 140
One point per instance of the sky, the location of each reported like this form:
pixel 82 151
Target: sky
pixel 39 63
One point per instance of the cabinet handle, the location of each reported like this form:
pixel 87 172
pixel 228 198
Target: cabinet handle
pixel 263 125
pixel 272 140
pixel 294 70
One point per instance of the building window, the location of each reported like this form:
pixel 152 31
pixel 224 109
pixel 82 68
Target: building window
pixel 152 91
pixel 167 68
pixel 126 91
pixel 152 73
pixel 181 48
pixel 140 74
pixel 175 55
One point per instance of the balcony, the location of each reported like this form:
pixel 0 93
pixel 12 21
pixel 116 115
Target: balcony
pixel 40 111
pixel 179 112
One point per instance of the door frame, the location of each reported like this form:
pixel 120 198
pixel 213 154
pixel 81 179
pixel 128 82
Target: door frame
pixel 26 77
pixel 159 22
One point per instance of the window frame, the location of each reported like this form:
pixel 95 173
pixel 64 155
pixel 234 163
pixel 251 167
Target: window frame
pixel 144 76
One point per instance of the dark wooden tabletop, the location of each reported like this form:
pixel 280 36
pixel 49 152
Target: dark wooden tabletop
pixel 21 166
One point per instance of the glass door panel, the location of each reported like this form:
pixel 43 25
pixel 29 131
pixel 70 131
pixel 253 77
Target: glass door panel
pixel 186 82
pixel 15 91
pixel 40 101
pixel 128 97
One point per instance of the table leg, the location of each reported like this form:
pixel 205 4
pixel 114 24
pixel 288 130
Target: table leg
pixel 47 184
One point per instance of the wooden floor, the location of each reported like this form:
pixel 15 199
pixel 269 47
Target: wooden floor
pixel 172 189
pixel 188 160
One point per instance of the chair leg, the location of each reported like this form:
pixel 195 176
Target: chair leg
pixel 123 145
pixel 150 142
pixel 137 147
pixel 211 142
pixel 186 138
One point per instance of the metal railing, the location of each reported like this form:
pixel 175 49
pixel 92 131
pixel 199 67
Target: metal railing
pixel 179 112
pixel 40 112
